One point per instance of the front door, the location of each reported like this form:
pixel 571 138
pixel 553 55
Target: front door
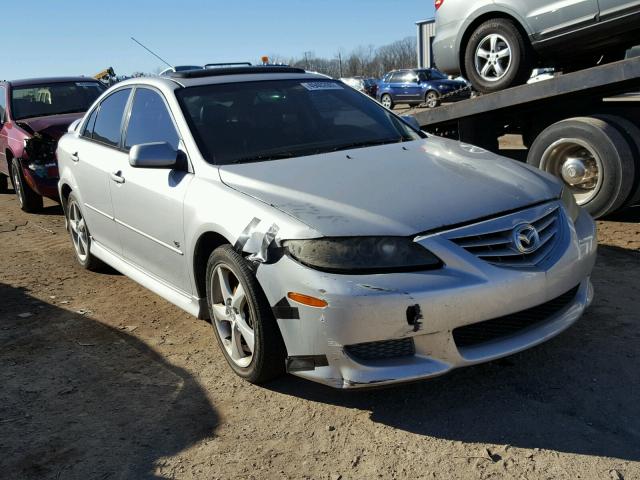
pixel 95 163
pixel 148 203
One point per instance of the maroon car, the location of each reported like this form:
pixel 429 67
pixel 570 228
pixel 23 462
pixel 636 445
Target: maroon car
pixel 34 114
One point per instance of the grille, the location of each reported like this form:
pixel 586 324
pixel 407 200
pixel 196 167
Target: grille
pixel 482 332
pixel 382 350
pixel 496 247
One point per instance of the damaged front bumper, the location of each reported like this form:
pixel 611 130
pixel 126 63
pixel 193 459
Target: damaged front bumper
pixel 394 328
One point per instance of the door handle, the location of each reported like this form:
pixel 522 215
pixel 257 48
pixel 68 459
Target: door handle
pixel 117 177
pixel 75 157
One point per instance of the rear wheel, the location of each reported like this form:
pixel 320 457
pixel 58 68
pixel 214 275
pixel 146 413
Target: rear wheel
pixel 80 235
pixel 497 56
pixel 432 99
pixel 592 158
pixel 387 101
pixel 29 200
pixel 242 318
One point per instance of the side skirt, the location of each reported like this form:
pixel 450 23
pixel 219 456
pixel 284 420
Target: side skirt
pixel 180 299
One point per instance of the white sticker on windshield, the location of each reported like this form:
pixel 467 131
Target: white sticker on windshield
pixel 86 84
pixel 322 86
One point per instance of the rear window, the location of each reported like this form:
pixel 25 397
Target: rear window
pixel 53 99
pixel 265 120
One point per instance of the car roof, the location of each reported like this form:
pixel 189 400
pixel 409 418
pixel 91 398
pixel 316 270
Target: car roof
pixel 173 82
pixel 25 82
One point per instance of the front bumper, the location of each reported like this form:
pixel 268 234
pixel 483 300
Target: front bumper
pixel 374 308
pixel 43 179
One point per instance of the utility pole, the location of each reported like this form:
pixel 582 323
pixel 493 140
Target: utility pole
pixel 340 62
pixel 306 60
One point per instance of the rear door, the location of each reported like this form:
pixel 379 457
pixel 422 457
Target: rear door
pixel 397 86
pixel 610 9
pixel 148 203
pixel 3 131
pixel 95 165
pixel 550 18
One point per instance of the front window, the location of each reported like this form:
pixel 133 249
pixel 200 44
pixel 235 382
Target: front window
pixel 53 99
pixel 258 121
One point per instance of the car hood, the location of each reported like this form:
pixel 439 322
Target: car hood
pixel 399 189
pixel 52 125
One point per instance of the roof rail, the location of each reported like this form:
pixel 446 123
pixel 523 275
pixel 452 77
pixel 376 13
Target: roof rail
pixel 245 70
pixel 234 64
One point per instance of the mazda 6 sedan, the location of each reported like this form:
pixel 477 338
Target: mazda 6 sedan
pixel 319 233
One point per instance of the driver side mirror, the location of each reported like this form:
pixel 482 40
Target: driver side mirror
pixel 153 155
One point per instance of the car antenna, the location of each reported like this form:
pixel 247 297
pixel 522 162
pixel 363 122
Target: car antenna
pixel 152 53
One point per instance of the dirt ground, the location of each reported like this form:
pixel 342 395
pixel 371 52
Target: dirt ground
pixel 101 379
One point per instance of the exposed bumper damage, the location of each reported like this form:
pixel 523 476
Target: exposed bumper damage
pixel 394 328
pixel 39 164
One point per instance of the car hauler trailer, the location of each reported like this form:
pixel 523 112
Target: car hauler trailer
pixel 583 127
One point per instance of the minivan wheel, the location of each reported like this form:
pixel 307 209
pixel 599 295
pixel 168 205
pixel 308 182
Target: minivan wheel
pixel 29 200
pixel 242 320
pixel 80 236
pixel 497 56
pixel 592 158
pixel 387 101
pixel 432 99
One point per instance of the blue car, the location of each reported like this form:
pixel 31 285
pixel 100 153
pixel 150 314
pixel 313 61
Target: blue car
pixel 418 86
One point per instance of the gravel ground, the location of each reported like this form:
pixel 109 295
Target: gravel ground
pixel 102 379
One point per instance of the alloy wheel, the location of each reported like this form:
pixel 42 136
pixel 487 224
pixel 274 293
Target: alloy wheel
pixel 432 99
pixel 386 101
pixel 17 185
pixel 232 316
pixel 493 57
pixel 78 230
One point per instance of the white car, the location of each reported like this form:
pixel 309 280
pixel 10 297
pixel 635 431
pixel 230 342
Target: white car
pixel 320 233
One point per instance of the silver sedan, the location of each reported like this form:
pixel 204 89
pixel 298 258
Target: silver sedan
pixel 318 232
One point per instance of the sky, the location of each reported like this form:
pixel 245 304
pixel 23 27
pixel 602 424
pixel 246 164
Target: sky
pixel 72 37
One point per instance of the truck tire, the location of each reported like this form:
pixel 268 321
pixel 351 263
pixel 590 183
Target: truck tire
pixel 631 133
pixel 592 158
pixel 497 56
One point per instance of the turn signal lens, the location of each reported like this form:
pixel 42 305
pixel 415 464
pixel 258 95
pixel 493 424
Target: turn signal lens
pixel 307 300
pixel 439 3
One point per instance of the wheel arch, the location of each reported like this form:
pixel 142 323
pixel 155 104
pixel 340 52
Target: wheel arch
pixel 491 15
pixel 207 242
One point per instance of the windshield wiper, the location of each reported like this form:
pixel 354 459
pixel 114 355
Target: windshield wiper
pixel 262 158
pixel 368 143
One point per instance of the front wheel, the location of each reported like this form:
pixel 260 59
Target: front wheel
pixel 387 101
pixel 497 56
pixel 432 99
pixel 29 200
pixel 242 319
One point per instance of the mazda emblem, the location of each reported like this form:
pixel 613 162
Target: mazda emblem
pixel 526 239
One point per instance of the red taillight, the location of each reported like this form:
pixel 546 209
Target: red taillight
pixel 439 3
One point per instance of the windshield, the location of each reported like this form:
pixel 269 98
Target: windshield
pixel 53 99
pixel 258 121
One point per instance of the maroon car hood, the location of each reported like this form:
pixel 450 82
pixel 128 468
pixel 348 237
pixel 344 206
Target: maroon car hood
pixel 53 125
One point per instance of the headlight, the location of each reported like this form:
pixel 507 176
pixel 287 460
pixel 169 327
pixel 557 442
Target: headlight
pixel 362 255
pixel 570 205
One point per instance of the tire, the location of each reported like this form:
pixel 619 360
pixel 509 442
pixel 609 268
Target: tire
pixel 631 133
pixel 493 37
pixel 29 200
pixel 78 229
pixel 387 101
pixel 267 359
pixel 432 99
pixel 4 184
pixel 596 143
